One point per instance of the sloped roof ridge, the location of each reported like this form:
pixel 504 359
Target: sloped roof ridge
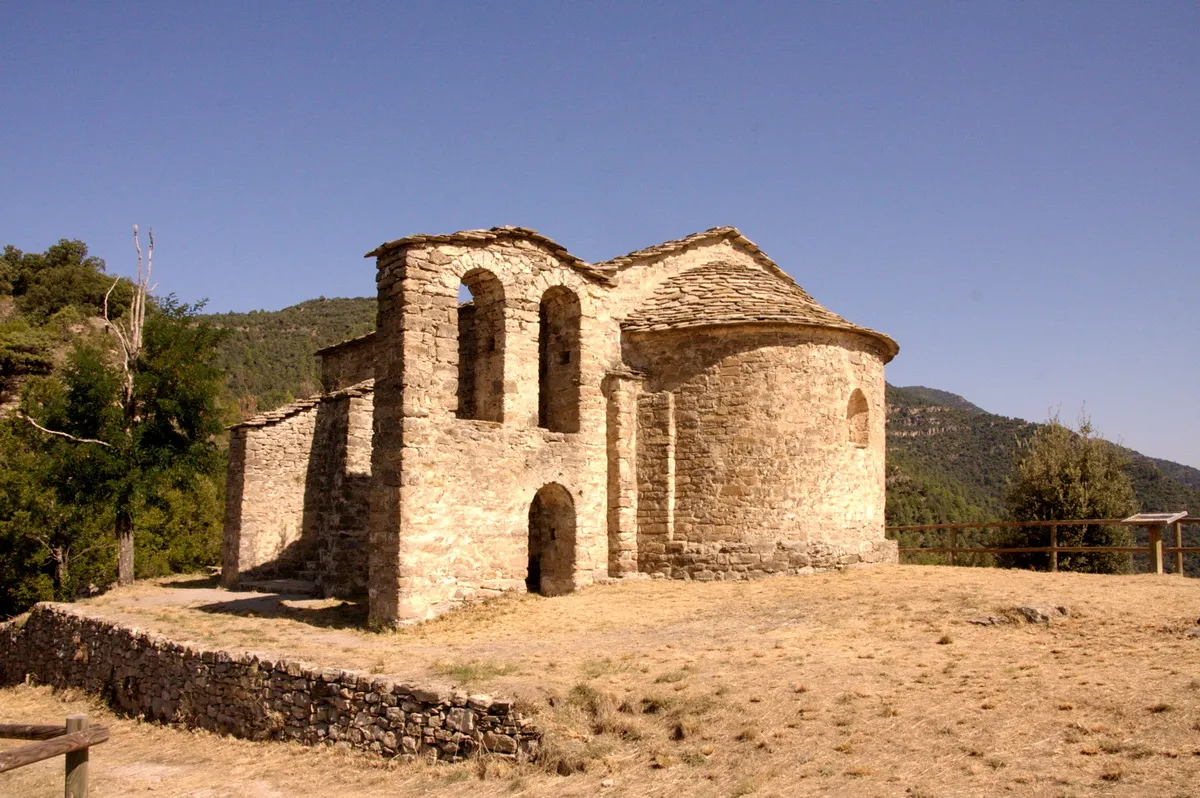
pixel 496 234
pixel 670 247
pixel 603 271
pixel 300 405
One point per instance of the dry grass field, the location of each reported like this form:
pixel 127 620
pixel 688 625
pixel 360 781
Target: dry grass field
pixel 870 682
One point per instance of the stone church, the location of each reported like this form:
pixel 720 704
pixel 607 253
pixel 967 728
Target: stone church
pixel 684 411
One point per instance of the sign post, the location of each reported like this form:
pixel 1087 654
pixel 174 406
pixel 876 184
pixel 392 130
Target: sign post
pixel 1154 523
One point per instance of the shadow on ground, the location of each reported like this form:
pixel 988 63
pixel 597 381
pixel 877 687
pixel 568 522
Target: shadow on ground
pixel 213 580
pixel 324 613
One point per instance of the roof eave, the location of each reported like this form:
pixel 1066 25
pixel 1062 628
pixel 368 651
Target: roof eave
pixel 478 237
pixel 891 348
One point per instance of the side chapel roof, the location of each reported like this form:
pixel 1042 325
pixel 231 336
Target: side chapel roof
pixel 347 344
pixel 272 417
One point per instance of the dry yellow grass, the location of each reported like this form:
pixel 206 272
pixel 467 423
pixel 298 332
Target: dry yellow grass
pixel 870 682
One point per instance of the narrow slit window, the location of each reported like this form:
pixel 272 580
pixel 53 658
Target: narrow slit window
pixel 858 418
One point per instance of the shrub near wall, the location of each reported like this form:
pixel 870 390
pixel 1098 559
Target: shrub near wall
pixel 254 697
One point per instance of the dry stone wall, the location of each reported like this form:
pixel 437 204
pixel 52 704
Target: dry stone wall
pixel 255 697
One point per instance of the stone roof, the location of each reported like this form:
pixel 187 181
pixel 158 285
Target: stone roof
pixel 596 272
pixel 707 236
pixel 603 271
pixel 721 293
pixel 364 388
pixel 717 293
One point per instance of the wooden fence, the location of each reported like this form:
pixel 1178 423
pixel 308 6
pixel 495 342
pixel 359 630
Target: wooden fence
pixel 72 740
pixel 1154 547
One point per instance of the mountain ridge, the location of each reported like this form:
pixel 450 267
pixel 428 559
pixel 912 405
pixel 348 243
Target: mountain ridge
pixel 948 461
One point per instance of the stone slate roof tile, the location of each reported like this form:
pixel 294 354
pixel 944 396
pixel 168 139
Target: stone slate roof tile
pixel 720 293
pixel 603 271
pixel 707 236
pixel 364 388
pixel 597 272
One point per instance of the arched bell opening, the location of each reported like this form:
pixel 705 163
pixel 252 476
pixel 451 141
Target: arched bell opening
pixel 558 360
pixel 480 347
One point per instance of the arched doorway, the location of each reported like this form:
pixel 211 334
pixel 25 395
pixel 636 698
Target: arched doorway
pixel 551 542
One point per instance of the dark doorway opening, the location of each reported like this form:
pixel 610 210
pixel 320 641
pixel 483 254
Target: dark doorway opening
pixel 551 542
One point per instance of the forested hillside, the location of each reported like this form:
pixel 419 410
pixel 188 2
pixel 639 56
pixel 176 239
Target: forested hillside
pixel 48 300
pixel 269 355
pixel 948 461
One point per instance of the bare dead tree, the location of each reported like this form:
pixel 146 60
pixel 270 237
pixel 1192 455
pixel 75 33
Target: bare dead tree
pixel 128 333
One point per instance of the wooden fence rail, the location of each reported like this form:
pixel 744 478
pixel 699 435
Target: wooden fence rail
pixel 72 740
pixel 1154 549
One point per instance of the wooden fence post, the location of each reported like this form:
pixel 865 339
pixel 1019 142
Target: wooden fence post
pixel 1054 548
pixel 1178 545
pixel 77 761
pixel 953 546
pixel 1155 548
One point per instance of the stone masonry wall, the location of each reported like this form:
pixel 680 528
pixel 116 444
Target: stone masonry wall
pixel 348 363
pixel 656 477
pixel 337 497
pixel 255 697
pixel 265 493
pixel 622 391
pixel 298 493
pixel 765 476
pixel 450 512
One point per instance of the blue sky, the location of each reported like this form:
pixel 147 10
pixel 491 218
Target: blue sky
pixel 1011 190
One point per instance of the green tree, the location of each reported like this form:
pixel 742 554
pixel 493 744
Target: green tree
pixel 133 430
pixel 52 547
pixel 1065 474
pixel 64 275
pixel 24 350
